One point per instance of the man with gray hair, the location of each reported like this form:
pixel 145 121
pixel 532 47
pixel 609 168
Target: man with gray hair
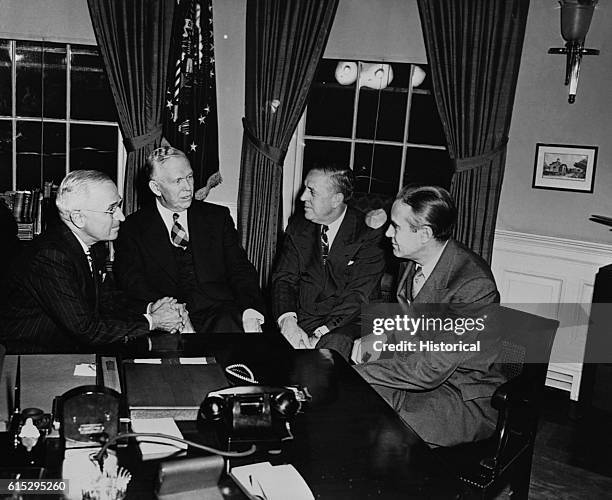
pixel 189 250
pixel 55 299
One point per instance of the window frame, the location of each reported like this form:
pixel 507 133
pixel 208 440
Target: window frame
pixel 67 121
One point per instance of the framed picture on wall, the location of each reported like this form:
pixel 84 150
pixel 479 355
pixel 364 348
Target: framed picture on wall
pixel 565 168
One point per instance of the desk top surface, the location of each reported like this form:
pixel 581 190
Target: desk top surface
pixel 348 443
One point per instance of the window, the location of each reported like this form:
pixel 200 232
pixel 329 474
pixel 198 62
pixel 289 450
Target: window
pixel 389 136
pixel 56 114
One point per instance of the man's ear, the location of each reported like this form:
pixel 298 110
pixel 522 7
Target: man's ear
pixel 76 217
pixel 154 187
pixel 337 199
pixel 426 234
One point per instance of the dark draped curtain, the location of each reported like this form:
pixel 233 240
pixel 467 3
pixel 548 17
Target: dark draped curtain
pixel 190 122
pixel 474 51
pixel 134 38
pixel 285 40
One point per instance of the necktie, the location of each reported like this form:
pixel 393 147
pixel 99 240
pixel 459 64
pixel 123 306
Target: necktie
pixel 177 234
pixel 90 261
pixel 324 244
pixel 418 281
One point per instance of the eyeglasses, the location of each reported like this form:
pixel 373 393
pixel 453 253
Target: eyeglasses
pixel 111 211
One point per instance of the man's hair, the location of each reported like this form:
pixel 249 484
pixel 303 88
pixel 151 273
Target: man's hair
pixel 76 187
pixel 342 179
pixel 432 206
pixel 159 156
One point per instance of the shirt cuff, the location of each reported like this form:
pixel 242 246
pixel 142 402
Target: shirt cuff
pixel 322 330
pixel 252 314
pixel 280 319
pixel 148 315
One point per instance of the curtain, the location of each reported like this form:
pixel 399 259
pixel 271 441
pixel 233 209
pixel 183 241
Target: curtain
pixel 285 40
pixel 134 38
pixel 474 51
pixel 190 122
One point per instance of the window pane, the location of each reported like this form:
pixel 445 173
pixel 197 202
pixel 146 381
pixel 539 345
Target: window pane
pixel 425 125
pixel 54 74
pixel 377 168
pixel 28 155
pixel 6 157
pixel 90 94
pixel 5 78
pixel 54 148
pixel 382 113
pixel 428 166
pixel 94 147
pixel 322 153
pixel 29 79
pixel 330 105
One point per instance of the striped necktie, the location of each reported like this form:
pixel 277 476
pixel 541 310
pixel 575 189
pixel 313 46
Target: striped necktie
pixel 178 234
pixel 418 281
pixel 324 244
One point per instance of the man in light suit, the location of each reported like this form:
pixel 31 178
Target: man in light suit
pixel 330 264
pixel 188 250
pixel 54 300
pixel 443 396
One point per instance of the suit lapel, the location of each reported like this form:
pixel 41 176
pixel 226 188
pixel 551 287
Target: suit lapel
pixel 200 229
pixel 75 249
pixel 346 237
pixel 438 279
pixel 157 241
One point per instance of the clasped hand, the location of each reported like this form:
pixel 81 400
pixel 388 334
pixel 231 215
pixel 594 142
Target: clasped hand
pixel 169 315
pixel 297 337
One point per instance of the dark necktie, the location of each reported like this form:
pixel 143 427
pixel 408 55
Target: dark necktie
pixel 324 244
pixel 178 234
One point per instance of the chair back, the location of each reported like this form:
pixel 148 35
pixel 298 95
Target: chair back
pixel 526 344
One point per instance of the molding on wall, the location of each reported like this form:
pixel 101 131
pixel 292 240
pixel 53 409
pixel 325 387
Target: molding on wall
pixel 552 277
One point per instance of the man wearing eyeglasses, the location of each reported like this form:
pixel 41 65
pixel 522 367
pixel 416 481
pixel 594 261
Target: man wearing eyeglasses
pixel 189 250
pixel 55 299
pixel 444 395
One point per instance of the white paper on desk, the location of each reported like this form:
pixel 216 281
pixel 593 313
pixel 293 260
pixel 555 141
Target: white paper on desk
pixel 148 361
pixel 85 370
pixel 194 361
pixel 277 482
pixel 154 447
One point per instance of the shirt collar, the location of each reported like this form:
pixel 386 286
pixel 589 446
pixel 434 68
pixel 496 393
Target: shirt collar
pixel 168 217
pixel 429 266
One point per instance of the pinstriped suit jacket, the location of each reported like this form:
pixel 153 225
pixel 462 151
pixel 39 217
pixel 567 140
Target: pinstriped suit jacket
pixel 53 301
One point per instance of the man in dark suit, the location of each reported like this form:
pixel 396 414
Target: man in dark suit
pixel 54 299
pixel 330 264
pixel 444 396
pixel 188 250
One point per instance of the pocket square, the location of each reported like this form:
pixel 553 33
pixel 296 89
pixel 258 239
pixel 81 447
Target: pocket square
pixel 350 262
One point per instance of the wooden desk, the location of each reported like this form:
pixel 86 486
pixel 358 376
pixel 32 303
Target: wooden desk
pixel 349 444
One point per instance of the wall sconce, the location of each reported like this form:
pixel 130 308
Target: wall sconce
pixel 576 18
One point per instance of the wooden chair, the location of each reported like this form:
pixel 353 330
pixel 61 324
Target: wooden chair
pixel 487 467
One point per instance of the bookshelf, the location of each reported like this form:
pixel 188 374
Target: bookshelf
pixel 30 207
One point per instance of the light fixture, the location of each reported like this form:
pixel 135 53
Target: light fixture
pixel 576 18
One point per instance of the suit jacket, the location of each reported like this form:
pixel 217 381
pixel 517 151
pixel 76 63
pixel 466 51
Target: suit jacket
pixel 329 295
pixel 459 277
pixel 52 300
pixel 145 266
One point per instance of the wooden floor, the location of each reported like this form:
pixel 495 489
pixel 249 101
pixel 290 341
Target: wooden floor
pixel 573 457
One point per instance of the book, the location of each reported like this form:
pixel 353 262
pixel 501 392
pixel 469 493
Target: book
pixel 170 390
